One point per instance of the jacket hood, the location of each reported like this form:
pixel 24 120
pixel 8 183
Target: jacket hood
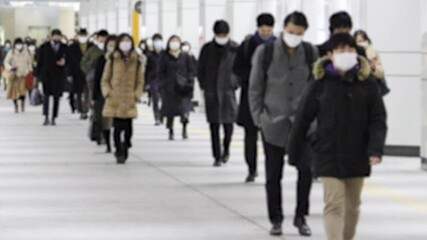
pixel 363 71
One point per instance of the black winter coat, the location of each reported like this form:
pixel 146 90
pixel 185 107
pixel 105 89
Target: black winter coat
pixel 242 68
pixel 351 122
pixel 99 70
pixel 75 57
pixel 51 75
pixel 218 81
pixel 175 103
pixel 153 61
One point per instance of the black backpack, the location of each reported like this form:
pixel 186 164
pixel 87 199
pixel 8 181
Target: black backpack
pixel 268 57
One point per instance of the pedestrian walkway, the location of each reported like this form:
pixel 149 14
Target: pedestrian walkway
pixel 56 185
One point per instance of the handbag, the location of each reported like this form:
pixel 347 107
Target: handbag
pixel 181 84
pixel 36 97
pixel 29 81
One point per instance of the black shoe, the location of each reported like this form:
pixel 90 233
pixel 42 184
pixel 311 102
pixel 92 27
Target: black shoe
pixel 171 136
pixel 46 122
pixel 120 157
pixel 126 152
pixel 108 150
pixel 184 135
pixel 158 123
pixel 303 228
pixel 217 163
pixel 84 116
pixel 276 230
pixel 250 178
pixel 53 122
pixel 225 157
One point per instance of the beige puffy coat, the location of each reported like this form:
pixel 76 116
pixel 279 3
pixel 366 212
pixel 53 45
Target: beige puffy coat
pixel 122 85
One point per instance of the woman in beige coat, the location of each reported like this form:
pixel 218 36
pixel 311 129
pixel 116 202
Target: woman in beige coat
pixel 122 84
pixel 18 65
pixel 373 56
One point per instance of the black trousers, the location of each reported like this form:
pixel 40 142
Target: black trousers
pixel 185 118
pixel 251 148
pixel 215 139
pixel 274 163
pixel 122 126
pixel 46 104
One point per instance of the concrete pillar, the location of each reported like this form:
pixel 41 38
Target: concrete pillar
pixel 211 10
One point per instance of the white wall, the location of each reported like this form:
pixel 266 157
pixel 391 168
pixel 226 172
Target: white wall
pixel 401 55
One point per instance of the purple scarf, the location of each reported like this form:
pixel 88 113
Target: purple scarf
pixel 259 40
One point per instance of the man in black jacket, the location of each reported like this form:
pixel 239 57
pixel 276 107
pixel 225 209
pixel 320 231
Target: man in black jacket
pixel 350 135
pixel 153 60
pixel 219 84
pixel 242 68
pixel 51 71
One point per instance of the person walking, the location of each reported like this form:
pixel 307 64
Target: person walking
pixel 18 65
pixel 51 72
pixel 350 135
pixel 103 124
pixel 88 64
pixel 122 84
pixel 219 84
pixel 242 68
pixel 280 73
pixel 76 51
pixel 153 81
pixel 176 74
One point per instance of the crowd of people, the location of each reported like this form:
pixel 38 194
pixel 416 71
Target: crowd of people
pixel 320 105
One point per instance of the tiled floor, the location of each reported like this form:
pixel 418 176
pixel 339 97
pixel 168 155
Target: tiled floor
pixel 56 185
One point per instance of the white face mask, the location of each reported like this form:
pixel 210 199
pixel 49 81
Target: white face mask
pixel 82 39
pixel 142 47
pixel 292 40
pixel 345 61
pixel 149 43
pixel 364 44
pixel 186 48
pixel 158 45
pixel 101 46
pixel 32 49
pixel 7 45
pixel 125 46
pixel 19 47
pixel 221 41
pixel 174 45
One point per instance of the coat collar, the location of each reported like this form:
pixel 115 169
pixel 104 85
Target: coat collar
pixel 363 70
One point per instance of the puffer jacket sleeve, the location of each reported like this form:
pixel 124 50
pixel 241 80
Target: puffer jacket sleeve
pixel 306 114
pixel 377 122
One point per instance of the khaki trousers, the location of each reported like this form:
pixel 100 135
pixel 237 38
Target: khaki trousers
pixel 342 207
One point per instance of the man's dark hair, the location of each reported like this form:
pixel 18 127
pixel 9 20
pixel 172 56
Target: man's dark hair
pixel 18 41
pixel 221 27
pixel 56 32
pixel 265 19
pixel 102 33
pixel 341 40
pixel 157 36
pixel 297 18
pixel 340 20
pixel 82 32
